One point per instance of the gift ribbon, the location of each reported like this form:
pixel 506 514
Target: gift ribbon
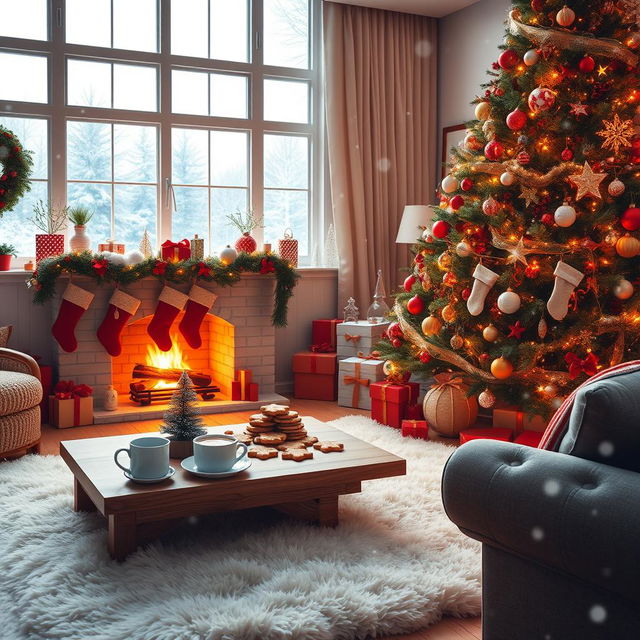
pixel 323 347
pixel 76 411
pixel 176 246
pixel 357 382
pixel 352 338
pixel 374 355
pixel 454 383
pixel 577 366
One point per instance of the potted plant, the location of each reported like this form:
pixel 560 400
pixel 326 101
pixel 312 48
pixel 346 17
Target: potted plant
pixel 6 251
pixel 80 216
pixel 50 219
pixel 245 223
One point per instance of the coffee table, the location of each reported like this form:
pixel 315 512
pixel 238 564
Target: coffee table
pixel 136 513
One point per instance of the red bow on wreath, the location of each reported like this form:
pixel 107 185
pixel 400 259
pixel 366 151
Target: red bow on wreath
pixel 203 269
pixel 267 266
pixel 159 268
pixel 577 366
pixel 100 266
pixel 66 389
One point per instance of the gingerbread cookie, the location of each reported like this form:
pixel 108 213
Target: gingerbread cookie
pixel 291 445
pixel 270 439
pixel 296 436
pixel 283 417
pixel 245 438
pixel 297 454
pixel 307 441
pixel 262 453
pixel 274 410
pixel 293 427
pixel 329 445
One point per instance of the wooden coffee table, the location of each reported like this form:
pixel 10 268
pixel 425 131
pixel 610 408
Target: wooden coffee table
pixel 136 513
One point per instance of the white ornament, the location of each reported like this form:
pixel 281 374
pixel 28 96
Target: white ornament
pixel 484 279
pixel 449 184
pixel 228 255
pixel 426 234
pixel 565 215
pixel 509 302
pixel 531 57
pixel 616 188
pixel 623 290
pixel 507 179
pixel 566 280
pixel 490 206
pixel 134 257
pixel 541 99
pixel 463 249
pixel 565 17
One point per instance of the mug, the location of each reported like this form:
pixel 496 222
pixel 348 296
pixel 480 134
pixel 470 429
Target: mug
pixel 149 457
pixel 217 453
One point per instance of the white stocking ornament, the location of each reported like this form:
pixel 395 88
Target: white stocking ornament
pixel 567 279
pixel 484 280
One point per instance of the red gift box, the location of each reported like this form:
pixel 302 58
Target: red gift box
pixel 415 429
pixel 415 412
pixel 314 376
pixel 489 433
pixel 529 438
pixel 48 245
pixel 390 401
pixel 323 334
pixel 174 251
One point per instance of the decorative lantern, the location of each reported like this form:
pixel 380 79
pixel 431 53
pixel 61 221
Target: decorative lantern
pixel 288 248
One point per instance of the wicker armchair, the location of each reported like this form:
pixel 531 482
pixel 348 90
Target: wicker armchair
pixel 20 396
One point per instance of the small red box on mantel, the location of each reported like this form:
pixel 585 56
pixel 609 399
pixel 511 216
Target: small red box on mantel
pixel 323 334
pixel 111 246
pixel 174 251
pixel 242 388
pixel 486 433
pixel 314 376
pixel 415 429
pixel 390 401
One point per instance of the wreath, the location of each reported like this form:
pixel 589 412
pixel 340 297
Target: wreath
pixel 16 164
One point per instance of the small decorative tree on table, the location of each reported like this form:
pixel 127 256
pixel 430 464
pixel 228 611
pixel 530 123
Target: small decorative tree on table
pixel 181 421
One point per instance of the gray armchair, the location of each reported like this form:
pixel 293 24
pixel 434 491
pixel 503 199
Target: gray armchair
pixel 560 533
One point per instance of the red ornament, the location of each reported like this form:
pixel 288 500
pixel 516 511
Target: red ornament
pixel 419 259
pixel 409 282
pixel 456 202
pixel 466 184
pixel 587 64
pixel 630 219
pixel 567 154
pixel 440 229
pixel 517 120
pixel 394 330
pixel 100 266
pixel 159 268
pixel 547 219
pixel 537 5
pixel 424 357
pixel 493 150
pixel 13 174
pixel 415 305
pixel 203 269
pixel 508 59
pixel 523 158
pixel 396 342
pixel 465 294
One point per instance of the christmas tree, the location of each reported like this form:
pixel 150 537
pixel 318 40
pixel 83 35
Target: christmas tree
pixel 526 281
pixel 181 420
pixel 146 248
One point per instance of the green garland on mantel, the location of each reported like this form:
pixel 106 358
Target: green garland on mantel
pixel 182 272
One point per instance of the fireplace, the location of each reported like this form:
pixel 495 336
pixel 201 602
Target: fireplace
pixel 236 334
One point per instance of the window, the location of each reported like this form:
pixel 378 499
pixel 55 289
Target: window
pixel 167 116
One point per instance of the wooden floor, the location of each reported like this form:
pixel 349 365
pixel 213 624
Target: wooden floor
pixel 447 629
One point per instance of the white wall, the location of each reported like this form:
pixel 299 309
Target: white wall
pixel 468 43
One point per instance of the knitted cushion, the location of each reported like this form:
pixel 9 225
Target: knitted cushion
pixel 18 391
pixel 19 430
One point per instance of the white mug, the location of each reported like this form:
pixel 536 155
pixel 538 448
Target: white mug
pixel 215 453
pixel 149 457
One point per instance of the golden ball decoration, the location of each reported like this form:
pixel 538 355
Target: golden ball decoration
pixel 447 408
pixel 448 313
pixel 501 368
pixel 490 333
pixel 456 342
pixel 628 246
pixel 486 399
pixel 444 261
pixel 483 110
pixel 431 326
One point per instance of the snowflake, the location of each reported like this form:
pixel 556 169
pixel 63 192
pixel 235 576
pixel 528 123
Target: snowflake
pixel 616 133
pixel 630 10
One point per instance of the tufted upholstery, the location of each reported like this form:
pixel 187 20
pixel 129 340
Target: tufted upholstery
pixel 20 391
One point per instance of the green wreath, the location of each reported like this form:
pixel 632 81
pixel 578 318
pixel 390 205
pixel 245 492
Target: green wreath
pixel 16 164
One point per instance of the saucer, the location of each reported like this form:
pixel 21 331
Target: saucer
pixel 150 480
pixel 189 465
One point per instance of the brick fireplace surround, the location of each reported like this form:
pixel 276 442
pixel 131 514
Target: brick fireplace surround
pixel 237 334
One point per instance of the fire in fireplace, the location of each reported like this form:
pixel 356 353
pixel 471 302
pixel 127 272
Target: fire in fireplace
pixel 156 379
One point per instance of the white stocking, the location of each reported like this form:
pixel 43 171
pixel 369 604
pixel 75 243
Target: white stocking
pixel 567 279
pixel 484 280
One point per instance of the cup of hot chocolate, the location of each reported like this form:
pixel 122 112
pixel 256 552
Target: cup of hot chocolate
pixel 217 453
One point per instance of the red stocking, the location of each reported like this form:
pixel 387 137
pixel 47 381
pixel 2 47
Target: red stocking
pixel 200 301
pixel 121 307
pixel 170 303
pixel 75 301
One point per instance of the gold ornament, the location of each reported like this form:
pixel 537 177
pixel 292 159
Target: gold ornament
pixel 457 342
pixel 529 195
pixel 486 399
pixel 426 282
pixel 449 314
pixel 483 110
pixel 588 182
pixel 501 368
pixel 447 408
pixel 444 261
pixel 490 333
pixel 565 17
pixel 543 328
pixel 431 326
pixel 616 133
pixel 628 246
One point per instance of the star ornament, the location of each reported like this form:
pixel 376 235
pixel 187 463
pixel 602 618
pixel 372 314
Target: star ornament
pixel 579 109
pixel 616 133
pixel 516 330
pixel 529 195
pixel 588 182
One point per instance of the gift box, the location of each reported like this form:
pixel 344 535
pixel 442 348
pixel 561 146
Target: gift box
pixel 314 376
pixel 111 246
pixel 488 433
pixel 323 335
pixel 197 248
pixel 358 337
pixel 415 429
pixel 48 245
pixel 511 418
pixel 354 377
pixel 390 401
pixel 242 388
pixel 174 251
pixel 529 438
pixel 288 248
pixel 71 405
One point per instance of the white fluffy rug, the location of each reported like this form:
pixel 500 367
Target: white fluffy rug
pixel 394 565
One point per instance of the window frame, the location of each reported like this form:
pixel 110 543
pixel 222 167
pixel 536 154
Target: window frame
pixel 57 112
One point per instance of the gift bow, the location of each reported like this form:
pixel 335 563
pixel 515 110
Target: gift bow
pixel 323 347
pixel 444 381
pixel 177 246
pixel 357 382
pixel 352 338
pixel 577 366
pixel 66 389
pixel 374 355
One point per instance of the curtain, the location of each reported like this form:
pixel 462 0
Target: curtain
pixel 380 96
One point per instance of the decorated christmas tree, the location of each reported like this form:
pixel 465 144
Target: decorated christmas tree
pixel 526 281
pixel 181 420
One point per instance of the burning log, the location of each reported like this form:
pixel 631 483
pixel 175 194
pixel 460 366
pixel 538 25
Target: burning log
pixel 148 372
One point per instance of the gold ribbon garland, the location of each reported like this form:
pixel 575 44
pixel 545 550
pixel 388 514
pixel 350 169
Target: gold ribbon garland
pixel 527 177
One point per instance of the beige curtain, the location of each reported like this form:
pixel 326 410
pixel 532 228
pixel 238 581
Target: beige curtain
pixel 380 69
